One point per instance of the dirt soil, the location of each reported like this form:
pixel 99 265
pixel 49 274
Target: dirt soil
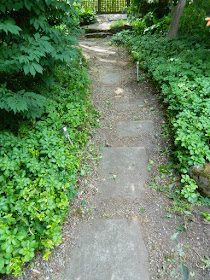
pixel 174 240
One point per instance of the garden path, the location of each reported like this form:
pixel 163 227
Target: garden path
pixel 113 248
pixel 104 21
pixel 118 227
pixel 103 26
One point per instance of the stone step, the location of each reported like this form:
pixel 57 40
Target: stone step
pixel 107 28
pixel 109 250
pixel 89 30
pixel 126 103
pixel 117 29
pixel 111 78
pixel 98 35
pixel 134 128
pixel 124 172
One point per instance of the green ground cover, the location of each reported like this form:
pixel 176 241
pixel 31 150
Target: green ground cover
pixel 39 168
pixel 181 69
pixel 43 87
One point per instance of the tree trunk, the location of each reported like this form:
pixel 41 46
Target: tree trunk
pixel 173 30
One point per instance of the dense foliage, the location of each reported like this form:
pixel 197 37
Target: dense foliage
pixel 86 15
pixel 39 94
pixel 35 37
pixel 192 21
pixel 142 7
pixel 155 15
pixel 181 69
pixel 150 24
pixel 39 168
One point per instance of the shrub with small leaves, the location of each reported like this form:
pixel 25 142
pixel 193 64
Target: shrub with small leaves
pixel 189 189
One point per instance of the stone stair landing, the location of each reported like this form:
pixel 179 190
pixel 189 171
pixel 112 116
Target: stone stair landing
pixel 102 27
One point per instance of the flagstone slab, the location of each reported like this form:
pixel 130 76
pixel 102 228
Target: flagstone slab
pixel 129 103
pixel 111 78
pixel 109 250
pixel 134 128
pixel 105 90
pixel 124 172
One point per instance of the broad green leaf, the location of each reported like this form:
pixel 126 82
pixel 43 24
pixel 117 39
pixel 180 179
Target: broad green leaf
pixel 37 36
pixel 17 103
pixel 39 227
pixel 83 203
pixel 9 248
pixel 1 263
pixel 20 236
pixel 181 228
pixel 48 2
pixel 174 236
pixel 185 271
pixel 26 68
pixel 2 8
pixel 27 5
pixel 38 67
pixel 2 231
pixel 15 242
pixel 32 70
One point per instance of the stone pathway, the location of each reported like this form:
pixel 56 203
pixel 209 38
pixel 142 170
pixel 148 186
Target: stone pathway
pixel 124 230
pixel 114 249
pixel 102 27
pixel 103 22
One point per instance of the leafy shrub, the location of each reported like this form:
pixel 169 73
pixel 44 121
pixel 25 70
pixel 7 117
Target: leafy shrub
pixel 143 7
pixel 192 20
pixel 189 188
pixel 181 69
pixel 86 15
pixel 149 18
pixel 32 43
pixel 39 169
pixel 159 26
pixel 150 24
pixel 139 26
pixel 118 23
pixel 122 37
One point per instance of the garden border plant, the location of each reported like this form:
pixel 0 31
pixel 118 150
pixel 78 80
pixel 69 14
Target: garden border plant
pixel 180 67
pixel 39 170
pixel 42 88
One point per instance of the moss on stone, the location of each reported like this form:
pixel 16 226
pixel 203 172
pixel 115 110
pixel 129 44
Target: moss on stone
pixel 202 171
